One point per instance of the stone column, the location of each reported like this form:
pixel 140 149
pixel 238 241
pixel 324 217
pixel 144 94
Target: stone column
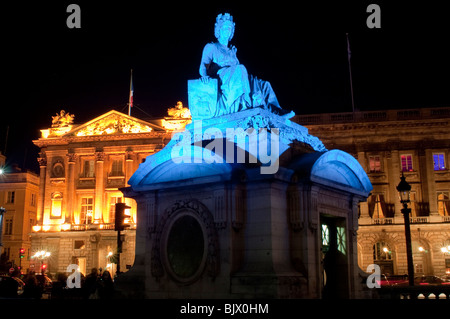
pixel 42 159
pixel 129 166
pixel 394 170
pixel 70 188
pixel 99 187
pixel 267 270
pixel 431 183
pixel 355 283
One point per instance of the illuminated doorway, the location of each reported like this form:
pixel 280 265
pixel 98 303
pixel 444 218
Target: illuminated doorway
pixel 334 257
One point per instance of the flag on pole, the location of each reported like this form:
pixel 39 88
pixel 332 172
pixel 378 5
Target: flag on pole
pixel 349 55
pixel 130 101
pixel 349 52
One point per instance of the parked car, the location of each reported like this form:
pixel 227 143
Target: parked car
pixel 395 280
pixel 45 282
pixel 10 287
pixel 430 280
pixel 384 281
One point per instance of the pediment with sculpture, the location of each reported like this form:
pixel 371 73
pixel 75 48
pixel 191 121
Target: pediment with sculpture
pixel 110 123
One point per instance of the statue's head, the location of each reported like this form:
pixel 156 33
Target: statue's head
pixel 224 20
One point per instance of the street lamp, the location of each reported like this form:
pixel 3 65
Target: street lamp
pixel 404 190
pixel 42 255
pixel 2 212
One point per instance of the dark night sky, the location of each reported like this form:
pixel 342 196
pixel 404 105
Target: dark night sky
pixel 301 49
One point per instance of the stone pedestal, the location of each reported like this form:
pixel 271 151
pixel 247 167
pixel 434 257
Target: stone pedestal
pixel 215 224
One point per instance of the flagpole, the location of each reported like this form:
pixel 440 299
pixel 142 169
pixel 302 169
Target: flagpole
pixel 130 100
pixel 349 53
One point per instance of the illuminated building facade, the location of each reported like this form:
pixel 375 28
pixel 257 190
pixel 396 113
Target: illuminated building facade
pixel 18 196
pixel 387 143
pixel 82 168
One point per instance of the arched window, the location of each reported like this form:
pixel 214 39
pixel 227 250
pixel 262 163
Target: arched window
pixel 382 251
pixel 382 256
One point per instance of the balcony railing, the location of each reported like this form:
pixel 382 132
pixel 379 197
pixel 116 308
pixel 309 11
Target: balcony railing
pixel 101 226
pixel 383 221
pixel 415 292
pixel 413 220
pixel 369 116
pixel 419 220
pixel 77 227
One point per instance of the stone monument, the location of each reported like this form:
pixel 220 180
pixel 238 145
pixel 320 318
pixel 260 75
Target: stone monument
pixel 244 203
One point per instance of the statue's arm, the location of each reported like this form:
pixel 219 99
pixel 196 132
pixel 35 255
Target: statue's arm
pixel 207 58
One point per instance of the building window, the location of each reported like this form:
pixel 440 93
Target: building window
pixel 443 203
pixel 31 225
pixel 11 197
pixel 438 161
pixel 325 236
pixel 418 268
pixel 56 205
pixel 79 244
pixel 374 164
pixel 87 209
pixel 406 161
pixel 377 206
pixel 341 240
pixel 33 200
pixel 8 226
pixel 381 251
pixel 112 207
pixel 117 168
pixel 89 168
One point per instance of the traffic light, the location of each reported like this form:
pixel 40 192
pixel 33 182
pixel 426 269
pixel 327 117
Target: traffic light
pixel 21 252
pixel 43 268
pixel 122 216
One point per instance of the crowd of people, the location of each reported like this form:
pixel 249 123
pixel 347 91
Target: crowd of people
pixel 96 285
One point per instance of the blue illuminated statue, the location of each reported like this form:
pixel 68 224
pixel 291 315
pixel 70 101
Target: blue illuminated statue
pixel 236 89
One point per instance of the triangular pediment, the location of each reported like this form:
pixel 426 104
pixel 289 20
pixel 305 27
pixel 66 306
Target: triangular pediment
pixel 113 123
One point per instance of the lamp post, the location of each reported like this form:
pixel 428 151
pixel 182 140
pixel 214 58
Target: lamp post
pixel 2 212
pixel 41 255
pixel 404 191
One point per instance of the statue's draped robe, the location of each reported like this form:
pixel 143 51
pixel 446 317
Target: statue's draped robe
pixel 239 91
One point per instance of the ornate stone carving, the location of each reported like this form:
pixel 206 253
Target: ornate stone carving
pixel 58 170
pixel 71 157
pixel 220 213
pixel 239 210
pixel 42 159
pixel 100 156
pixel 196 208
pixel 129 155
pixel 62 119
pixel 61 124
pixel 295 213
pixel 179 111
pixel 113 124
